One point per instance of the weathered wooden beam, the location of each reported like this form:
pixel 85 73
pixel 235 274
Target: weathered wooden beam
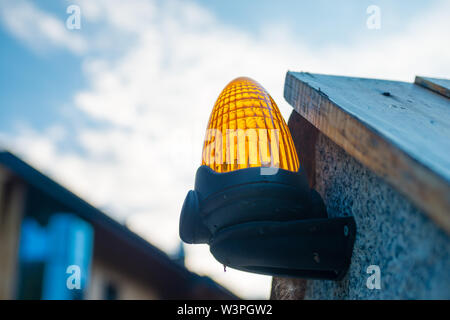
pixel 398 130
pixel 12 193
pixel 441 86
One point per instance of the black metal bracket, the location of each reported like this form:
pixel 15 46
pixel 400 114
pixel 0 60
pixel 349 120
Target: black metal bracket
pixel 314 249
pixel 271 224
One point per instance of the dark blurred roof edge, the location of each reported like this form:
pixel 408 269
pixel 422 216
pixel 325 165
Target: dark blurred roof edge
pixel 122 247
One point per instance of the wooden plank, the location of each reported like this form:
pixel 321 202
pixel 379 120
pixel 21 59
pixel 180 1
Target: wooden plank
pixel 441 86
pixel 399 130
pixel 12 195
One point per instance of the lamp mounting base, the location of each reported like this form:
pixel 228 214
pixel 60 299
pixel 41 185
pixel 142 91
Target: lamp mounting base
pixel 311 248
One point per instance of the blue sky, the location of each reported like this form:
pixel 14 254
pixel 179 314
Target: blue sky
pixel 116 110
pixel 320 22
pixel 51 76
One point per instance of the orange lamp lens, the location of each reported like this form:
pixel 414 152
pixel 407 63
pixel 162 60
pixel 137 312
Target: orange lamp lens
pixel 246 129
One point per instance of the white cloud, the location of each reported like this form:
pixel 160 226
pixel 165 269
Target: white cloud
pixel 155 97
pixel 38 29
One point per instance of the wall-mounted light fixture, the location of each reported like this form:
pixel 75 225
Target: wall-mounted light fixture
pixel 251 201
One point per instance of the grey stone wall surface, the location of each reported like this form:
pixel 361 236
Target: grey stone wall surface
pixel 413 253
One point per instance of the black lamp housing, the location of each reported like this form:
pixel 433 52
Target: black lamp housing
pixel 267 224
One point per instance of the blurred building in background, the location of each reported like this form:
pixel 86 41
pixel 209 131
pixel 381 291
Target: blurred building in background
pixel 54 245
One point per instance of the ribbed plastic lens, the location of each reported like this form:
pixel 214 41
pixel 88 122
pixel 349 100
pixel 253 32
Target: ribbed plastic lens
pixel 246 129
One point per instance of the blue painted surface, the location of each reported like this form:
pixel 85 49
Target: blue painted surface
pixel 65 247
pixel 33 243
pixel 70 250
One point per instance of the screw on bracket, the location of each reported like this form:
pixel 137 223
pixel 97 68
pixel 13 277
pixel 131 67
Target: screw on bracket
pixel 345 230
pixel 316 257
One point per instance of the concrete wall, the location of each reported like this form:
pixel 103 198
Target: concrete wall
pixel 412 252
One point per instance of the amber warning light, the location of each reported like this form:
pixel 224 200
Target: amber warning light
pixel 251 201
pixel 246 130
